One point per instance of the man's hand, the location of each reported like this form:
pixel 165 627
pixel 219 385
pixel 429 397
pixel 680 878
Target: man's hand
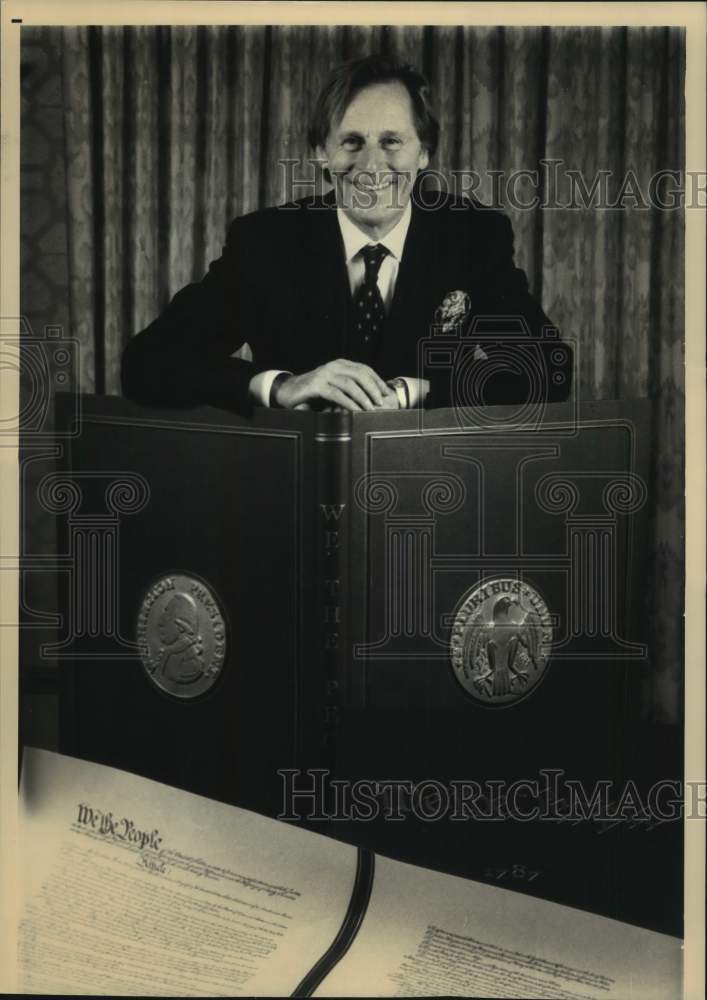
pixel 390 401
pixel 346 384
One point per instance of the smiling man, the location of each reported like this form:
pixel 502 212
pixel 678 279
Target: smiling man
pixel 335 295
pixel 373 151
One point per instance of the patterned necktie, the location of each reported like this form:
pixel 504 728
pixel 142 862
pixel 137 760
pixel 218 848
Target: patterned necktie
pixel 369 311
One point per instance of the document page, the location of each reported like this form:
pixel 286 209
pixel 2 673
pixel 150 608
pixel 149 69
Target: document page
pixel 428 934
pixel 132 887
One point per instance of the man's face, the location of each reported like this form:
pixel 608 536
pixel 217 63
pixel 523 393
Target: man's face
pixel 373 154
pixel 167 627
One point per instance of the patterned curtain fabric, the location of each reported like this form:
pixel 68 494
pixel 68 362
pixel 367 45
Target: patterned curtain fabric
pixel 172 132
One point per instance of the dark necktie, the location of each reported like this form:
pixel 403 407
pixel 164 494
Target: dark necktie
pixel 369 311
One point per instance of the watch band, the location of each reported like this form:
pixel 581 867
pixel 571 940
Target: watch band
pixel 401 391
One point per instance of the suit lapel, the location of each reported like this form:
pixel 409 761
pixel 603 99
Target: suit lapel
pixel 407 319
pixel 325 276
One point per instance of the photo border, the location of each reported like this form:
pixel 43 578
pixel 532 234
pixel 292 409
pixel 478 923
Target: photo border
pixel 692 16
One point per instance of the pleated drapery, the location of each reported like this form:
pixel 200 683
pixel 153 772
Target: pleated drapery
pixel 171 132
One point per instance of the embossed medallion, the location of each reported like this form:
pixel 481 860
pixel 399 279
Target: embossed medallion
pixel 501 639
pixel 181 635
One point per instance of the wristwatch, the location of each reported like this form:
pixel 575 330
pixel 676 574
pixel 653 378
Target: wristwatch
pixel 401 391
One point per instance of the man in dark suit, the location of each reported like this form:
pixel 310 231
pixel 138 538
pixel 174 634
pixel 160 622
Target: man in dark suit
pixel 337 295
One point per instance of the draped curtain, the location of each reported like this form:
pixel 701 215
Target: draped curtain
pixel 170 132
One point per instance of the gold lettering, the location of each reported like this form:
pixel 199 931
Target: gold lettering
pixel 332 510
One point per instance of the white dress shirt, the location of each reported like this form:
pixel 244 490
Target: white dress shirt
pixel 354 241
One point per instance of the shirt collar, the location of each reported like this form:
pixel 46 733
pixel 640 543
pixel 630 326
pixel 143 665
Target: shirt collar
pixel 354 239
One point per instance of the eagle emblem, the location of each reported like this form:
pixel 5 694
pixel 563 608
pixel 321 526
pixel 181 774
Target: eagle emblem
pixel 500 641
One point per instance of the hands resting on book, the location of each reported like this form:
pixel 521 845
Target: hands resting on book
pixel 345 385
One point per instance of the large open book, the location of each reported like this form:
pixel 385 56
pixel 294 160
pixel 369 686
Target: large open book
pixel 133 887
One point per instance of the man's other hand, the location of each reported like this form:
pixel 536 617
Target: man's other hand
pixel 346 384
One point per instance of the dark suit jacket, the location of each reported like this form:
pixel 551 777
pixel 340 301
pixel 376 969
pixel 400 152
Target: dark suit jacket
pixel 281 286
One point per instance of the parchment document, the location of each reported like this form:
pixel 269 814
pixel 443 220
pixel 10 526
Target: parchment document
pixel 427 934
pixel 132 887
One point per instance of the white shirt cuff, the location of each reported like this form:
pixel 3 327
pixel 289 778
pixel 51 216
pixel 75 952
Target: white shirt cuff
pixel 261 384
pixel 417 390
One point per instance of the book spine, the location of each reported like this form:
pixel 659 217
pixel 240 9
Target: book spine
pixel 333 450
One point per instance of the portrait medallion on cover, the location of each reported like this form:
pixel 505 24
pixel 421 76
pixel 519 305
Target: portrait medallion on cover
pixel 501 639
pixel 181 635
